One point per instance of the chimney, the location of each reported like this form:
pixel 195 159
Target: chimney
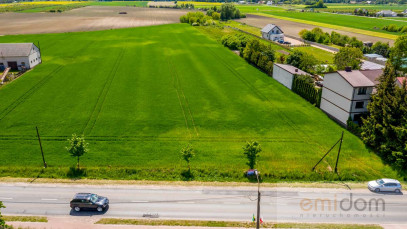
pixel 296 70
pixel 348 69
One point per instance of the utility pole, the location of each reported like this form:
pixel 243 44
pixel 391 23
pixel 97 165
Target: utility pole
pixel 258 200
pixel 42 152
pixel 339 151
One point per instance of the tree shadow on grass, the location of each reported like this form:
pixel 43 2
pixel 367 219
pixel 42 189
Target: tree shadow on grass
pixel 187 175
pixel 74 172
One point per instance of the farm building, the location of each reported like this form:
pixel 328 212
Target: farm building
pixel 346 93
pixel 19 56
pixel 386 13
pixel 272 32
pixel 284 74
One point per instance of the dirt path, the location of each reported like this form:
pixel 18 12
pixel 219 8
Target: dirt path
pixel 86 19
pixel 293 28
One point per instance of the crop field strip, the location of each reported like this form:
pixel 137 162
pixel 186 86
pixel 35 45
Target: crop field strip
pixel 145 100
pixel 87 129
pixel 183 102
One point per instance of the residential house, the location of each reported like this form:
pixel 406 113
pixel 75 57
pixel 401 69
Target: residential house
pixel 19 56
pixel 346 93
pixel 285 73
pixel 386 13
pixel 269 3
pixel 272 32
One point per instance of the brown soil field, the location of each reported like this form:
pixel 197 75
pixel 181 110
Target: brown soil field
pixel 86 19
pixel 161 4
pixel 293 28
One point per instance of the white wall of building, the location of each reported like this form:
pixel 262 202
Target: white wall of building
pixel 28 61
pixel 337 96
pixel 334 111
pixel 283 77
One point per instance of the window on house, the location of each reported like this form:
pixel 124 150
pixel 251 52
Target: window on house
pixel 359 105
pixel 362 91
pixel 22 63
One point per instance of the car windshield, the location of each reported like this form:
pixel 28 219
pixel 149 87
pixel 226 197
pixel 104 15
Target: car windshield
pixel 380 181
pixel 93 198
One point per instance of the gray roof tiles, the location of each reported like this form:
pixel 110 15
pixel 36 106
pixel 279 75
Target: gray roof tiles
pixel 269 27
pixel 15 49
pixel 360 78
pixel 291 69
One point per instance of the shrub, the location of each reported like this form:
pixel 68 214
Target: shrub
pixel 303 85
pixel 216 16
pixel 391 28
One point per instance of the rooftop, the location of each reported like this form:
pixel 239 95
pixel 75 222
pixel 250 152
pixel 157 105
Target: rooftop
pixel 15 49
pixel 269 27
pixel 356 78
pixel 401 79
pixel 291 69
pixel 369 65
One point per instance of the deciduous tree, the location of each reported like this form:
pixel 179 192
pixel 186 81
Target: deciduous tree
pixel 252 151
pixel 187 154
pixel 77 147
pixel 348 56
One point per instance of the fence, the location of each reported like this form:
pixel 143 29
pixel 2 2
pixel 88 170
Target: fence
pixel 315 43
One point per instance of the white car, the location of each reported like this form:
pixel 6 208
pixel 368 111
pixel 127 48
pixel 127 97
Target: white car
pixel 385 185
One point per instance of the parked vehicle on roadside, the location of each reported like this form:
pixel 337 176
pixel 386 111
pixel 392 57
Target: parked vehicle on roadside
pixel 385 185
pixel 89 201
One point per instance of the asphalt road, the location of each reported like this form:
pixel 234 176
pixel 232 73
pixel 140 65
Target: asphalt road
pixel 212 203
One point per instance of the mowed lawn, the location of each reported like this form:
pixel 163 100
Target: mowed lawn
pixel 139 95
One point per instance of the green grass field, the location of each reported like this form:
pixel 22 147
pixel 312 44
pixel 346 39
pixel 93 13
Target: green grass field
pixel 139 95
pixel 363 23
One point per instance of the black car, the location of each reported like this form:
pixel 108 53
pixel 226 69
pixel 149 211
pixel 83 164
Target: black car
pixel 89 201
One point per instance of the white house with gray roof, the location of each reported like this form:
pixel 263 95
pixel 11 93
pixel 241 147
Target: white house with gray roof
pixel 285 73
pixel 18 56
pixel 346 93
pixel 273 33
pixel 386 13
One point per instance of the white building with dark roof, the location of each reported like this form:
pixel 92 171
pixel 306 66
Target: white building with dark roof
pixel 284 74
pixel 18 56
pixel 346 93
pixel 273 33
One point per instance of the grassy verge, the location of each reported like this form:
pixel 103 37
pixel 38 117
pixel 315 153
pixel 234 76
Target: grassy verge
pixel 344 28
pixel 228 224
pixel 9 218
pixel 325 184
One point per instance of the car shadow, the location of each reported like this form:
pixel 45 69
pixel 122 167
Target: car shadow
pixel 88 212
pixel 388 193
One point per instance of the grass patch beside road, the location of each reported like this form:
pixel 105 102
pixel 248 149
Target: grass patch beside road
pixel 199 223
pixel 9 218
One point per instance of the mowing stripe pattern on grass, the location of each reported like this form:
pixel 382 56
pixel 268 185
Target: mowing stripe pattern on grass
pixel 139 95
